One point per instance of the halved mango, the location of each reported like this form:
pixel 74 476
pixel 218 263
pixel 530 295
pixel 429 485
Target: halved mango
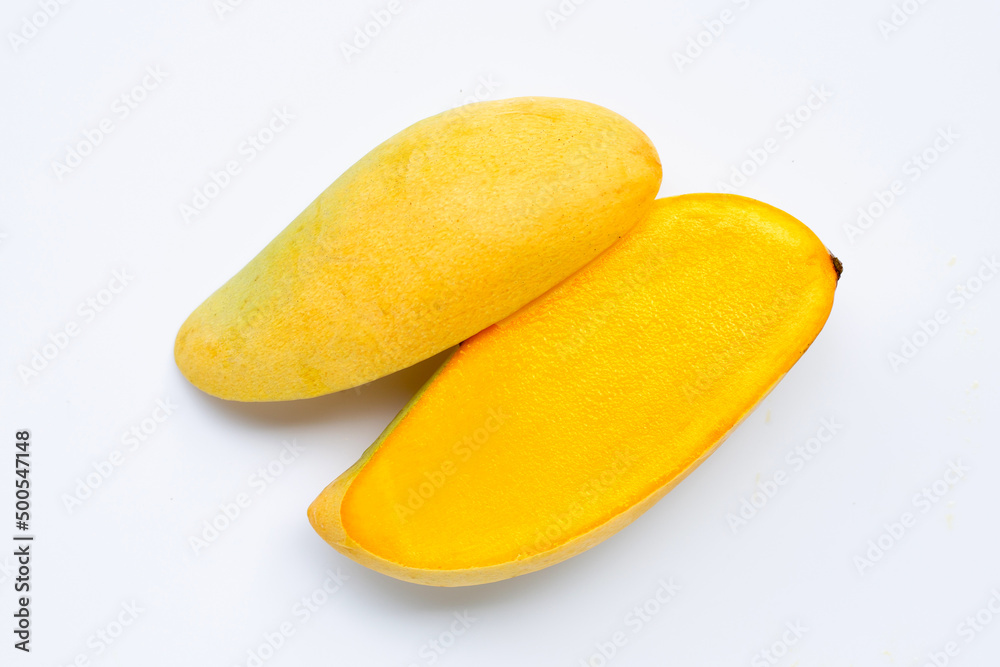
pixel 441 231
pixel 555 428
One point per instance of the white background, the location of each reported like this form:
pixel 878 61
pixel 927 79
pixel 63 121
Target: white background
pixel 794 562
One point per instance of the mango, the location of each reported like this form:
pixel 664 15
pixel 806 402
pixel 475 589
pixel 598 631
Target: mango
pixel 553 429
pixel 444 229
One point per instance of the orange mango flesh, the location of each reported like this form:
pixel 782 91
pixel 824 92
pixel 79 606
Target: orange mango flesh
pixel 549 431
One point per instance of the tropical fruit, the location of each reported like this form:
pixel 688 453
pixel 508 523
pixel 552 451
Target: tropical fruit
pixel 441 231
pixel 556 427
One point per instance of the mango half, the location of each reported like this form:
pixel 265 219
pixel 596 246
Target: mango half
pixel 558 426
pixel 444 229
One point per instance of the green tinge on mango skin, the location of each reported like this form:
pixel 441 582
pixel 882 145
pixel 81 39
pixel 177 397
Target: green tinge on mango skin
pixel 442 230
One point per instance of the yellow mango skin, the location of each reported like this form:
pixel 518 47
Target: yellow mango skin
pixel 439 232
pixel 558 426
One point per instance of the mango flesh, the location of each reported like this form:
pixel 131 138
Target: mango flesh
pixel 556 427
pixel 441 231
